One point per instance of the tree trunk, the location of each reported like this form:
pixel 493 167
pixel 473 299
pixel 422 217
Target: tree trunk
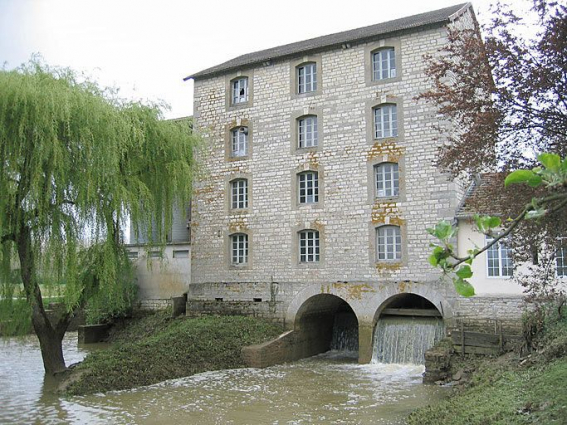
pixel 50 336
pixel 50 343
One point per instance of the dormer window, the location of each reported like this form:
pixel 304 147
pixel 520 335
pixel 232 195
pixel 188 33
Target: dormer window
pixel 240 90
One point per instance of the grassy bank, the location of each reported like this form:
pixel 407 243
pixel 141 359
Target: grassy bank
pixel 155 347
pixel 511 389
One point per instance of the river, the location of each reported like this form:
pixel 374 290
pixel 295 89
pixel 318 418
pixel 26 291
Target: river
pixel 327 389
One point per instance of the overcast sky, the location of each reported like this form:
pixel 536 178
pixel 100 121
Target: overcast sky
pixel 146 48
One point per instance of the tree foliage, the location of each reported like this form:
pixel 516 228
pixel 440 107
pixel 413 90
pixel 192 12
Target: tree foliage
pixel 75 161
pixel 505 94
pixel 551 175
pixel 505 97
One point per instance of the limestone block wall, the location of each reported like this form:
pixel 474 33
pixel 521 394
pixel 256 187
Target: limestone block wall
pixel 348 213
pixel 487 313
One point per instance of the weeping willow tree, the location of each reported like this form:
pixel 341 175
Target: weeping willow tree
pixel 75 161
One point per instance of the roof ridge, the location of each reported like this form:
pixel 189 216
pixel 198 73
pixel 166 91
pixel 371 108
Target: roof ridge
pixel 321 42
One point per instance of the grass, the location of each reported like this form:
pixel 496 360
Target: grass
pixel 508 391
pixel 505 396
pixel 155 348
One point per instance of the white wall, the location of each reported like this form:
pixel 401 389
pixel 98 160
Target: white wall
pixel 467 238
pixel 162 279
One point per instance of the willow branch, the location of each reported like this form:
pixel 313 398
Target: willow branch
pixel 8 237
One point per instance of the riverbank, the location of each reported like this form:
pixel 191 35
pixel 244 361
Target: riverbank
pixel 151 348
pixel 511 389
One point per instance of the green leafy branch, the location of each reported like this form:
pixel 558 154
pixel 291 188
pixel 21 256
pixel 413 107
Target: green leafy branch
pixel 552 174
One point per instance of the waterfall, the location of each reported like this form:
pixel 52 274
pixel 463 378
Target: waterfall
pixel 405 339
pixel 345 332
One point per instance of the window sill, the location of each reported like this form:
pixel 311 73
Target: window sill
pixel 238 158
pixel 384 81
pixel 499 277
pixel 245 266
pixel 242 105
pixel 311 205
pixel 310 265
pixel 299 151
pixel 380 199
pixel 386 139
pixel 388 265
pixel 306 95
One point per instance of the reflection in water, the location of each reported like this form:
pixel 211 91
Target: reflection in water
pixel 26 394
pixel 330 388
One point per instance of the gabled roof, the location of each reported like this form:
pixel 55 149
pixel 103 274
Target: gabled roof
pixel 485 195
pixel 320 43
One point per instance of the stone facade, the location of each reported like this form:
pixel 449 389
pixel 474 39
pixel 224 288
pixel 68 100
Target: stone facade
pixel 274 280
pixel 347 215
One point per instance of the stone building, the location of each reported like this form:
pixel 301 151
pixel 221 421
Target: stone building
pixel 319 183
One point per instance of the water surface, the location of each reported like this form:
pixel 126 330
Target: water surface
pixel 330 388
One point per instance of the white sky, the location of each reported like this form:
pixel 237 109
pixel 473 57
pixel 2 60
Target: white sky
pixel 146 48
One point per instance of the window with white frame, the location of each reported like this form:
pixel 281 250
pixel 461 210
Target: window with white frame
pixel 388 243
pixel 308 184
pixel 387 180
pixel 385 121
pixel 307 131
pixel 239 248
pixel 307 78
pixel 239 90
pixel 384 64
pixel 239 143
pixel 309 248
pixel 239 194
pixel 561 258
pixel 499 259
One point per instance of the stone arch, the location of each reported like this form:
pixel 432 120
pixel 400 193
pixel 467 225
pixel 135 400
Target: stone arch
pixel 323 322
pixel 344 291
pixel 367 301
pixel 414 319
pixel 390 291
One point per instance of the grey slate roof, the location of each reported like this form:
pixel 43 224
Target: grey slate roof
pixel 302 47
pixel 485 195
